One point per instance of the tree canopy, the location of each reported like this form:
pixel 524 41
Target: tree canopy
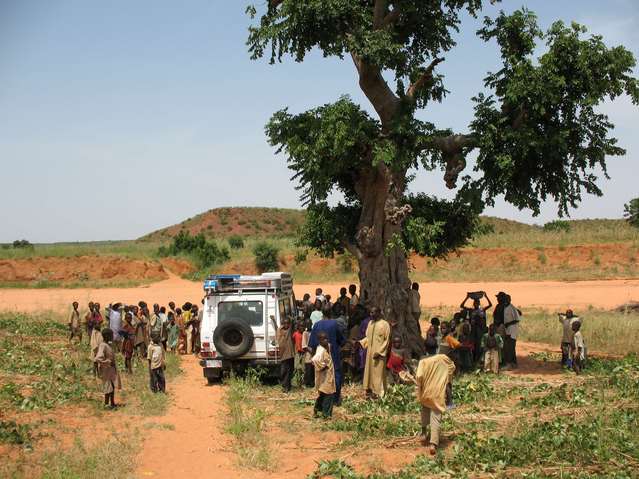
pixel 537 132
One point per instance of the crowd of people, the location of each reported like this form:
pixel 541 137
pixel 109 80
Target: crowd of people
pixel 138 334
pixel 332 341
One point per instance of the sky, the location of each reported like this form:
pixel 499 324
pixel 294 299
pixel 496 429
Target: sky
pixel 118 118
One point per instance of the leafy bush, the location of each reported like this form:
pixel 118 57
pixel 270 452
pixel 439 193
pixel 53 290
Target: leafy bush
pixel 345 262
pixel 236 242
pixel 23 243
pixel 266 257
pixel 13 433
pixel 557 226
pixel 631 212
pixel 205 253
pixel 301 255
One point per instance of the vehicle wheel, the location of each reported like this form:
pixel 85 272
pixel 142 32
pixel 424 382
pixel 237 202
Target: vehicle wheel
pixel 233 338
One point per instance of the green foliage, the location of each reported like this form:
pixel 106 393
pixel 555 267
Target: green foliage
pixel 23 243
pixel 539 132
pixel 437 227
pixel 236 242
pixel 246 422
pixel 13 433
pixel 631 212
pixel 557 225
pixel 345 262
pixel 301 255
pixel 57 375
pixel 328 228
pixel 537 126
pixel 266 257
pixel 324 146
pixel 418 32
pixel 204 252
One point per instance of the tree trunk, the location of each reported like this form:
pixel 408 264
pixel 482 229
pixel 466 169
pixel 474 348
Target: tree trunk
pixel 383 269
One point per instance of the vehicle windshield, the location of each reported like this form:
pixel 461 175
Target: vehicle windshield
pixel 251 312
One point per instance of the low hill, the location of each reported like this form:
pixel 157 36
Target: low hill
pixel 224 222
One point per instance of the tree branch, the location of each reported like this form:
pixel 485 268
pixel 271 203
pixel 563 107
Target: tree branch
pixel 454 149
pixel 379 13
pixel 353 249
pixel 391 17
pixel 426 77
pixel 376 90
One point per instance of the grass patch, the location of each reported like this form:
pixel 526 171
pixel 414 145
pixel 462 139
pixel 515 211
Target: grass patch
pixel 605 331
pixel 110 459
pixel 584 429
pixel 13 433
pixel 247 422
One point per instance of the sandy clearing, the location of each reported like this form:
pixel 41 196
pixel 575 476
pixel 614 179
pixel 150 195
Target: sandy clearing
pixel 546 294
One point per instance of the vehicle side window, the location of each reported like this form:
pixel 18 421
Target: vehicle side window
pixel 251 312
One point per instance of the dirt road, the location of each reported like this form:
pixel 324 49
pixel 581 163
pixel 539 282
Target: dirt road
pixel 192 435
pixel 546 294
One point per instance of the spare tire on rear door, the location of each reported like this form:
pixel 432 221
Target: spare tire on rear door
pixel 233 338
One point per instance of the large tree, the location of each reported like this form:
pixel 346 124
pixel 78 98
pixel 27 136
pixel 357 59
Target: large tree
pixel 536 131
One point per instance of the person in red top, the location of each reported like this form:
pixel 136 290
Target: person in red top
pixel 299 350
pixel 397 360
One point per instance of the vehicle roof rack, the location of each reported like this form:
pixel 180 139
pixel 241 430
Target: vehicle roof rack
pixel 237 282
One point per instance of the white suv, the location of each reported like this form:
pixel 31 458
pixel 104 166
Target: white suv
pixel 240 320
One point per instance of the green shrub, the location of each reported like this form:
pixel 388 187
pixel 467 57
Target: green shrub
pixel 301 255
pixel 345 262
pixel 557 226
pixel 205 253
pixel 631 212
pixel 236 242
pixel 266 257
pixel 23 243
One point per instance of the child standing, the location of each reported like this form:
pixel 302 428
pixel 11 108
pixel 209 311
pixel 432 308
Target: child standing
pixel 155 356
pixel 578 348
pixel 397 360
pixel 107 369
pixel 128 332
pixel 74 323
pixel 96 338
pixel 173 333
pixel 324 377
pixel 299 351
pixel 492 343
pixel 309 369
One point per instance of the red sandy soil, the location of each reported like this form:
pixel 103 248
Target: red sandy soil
pixel 81 268
pixel 604 294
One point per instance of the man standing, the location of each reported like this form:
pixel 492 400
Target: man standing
pixel 345 302
pixel 376 344
pixel 415 304
pixel 287 354
pixel 511 325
